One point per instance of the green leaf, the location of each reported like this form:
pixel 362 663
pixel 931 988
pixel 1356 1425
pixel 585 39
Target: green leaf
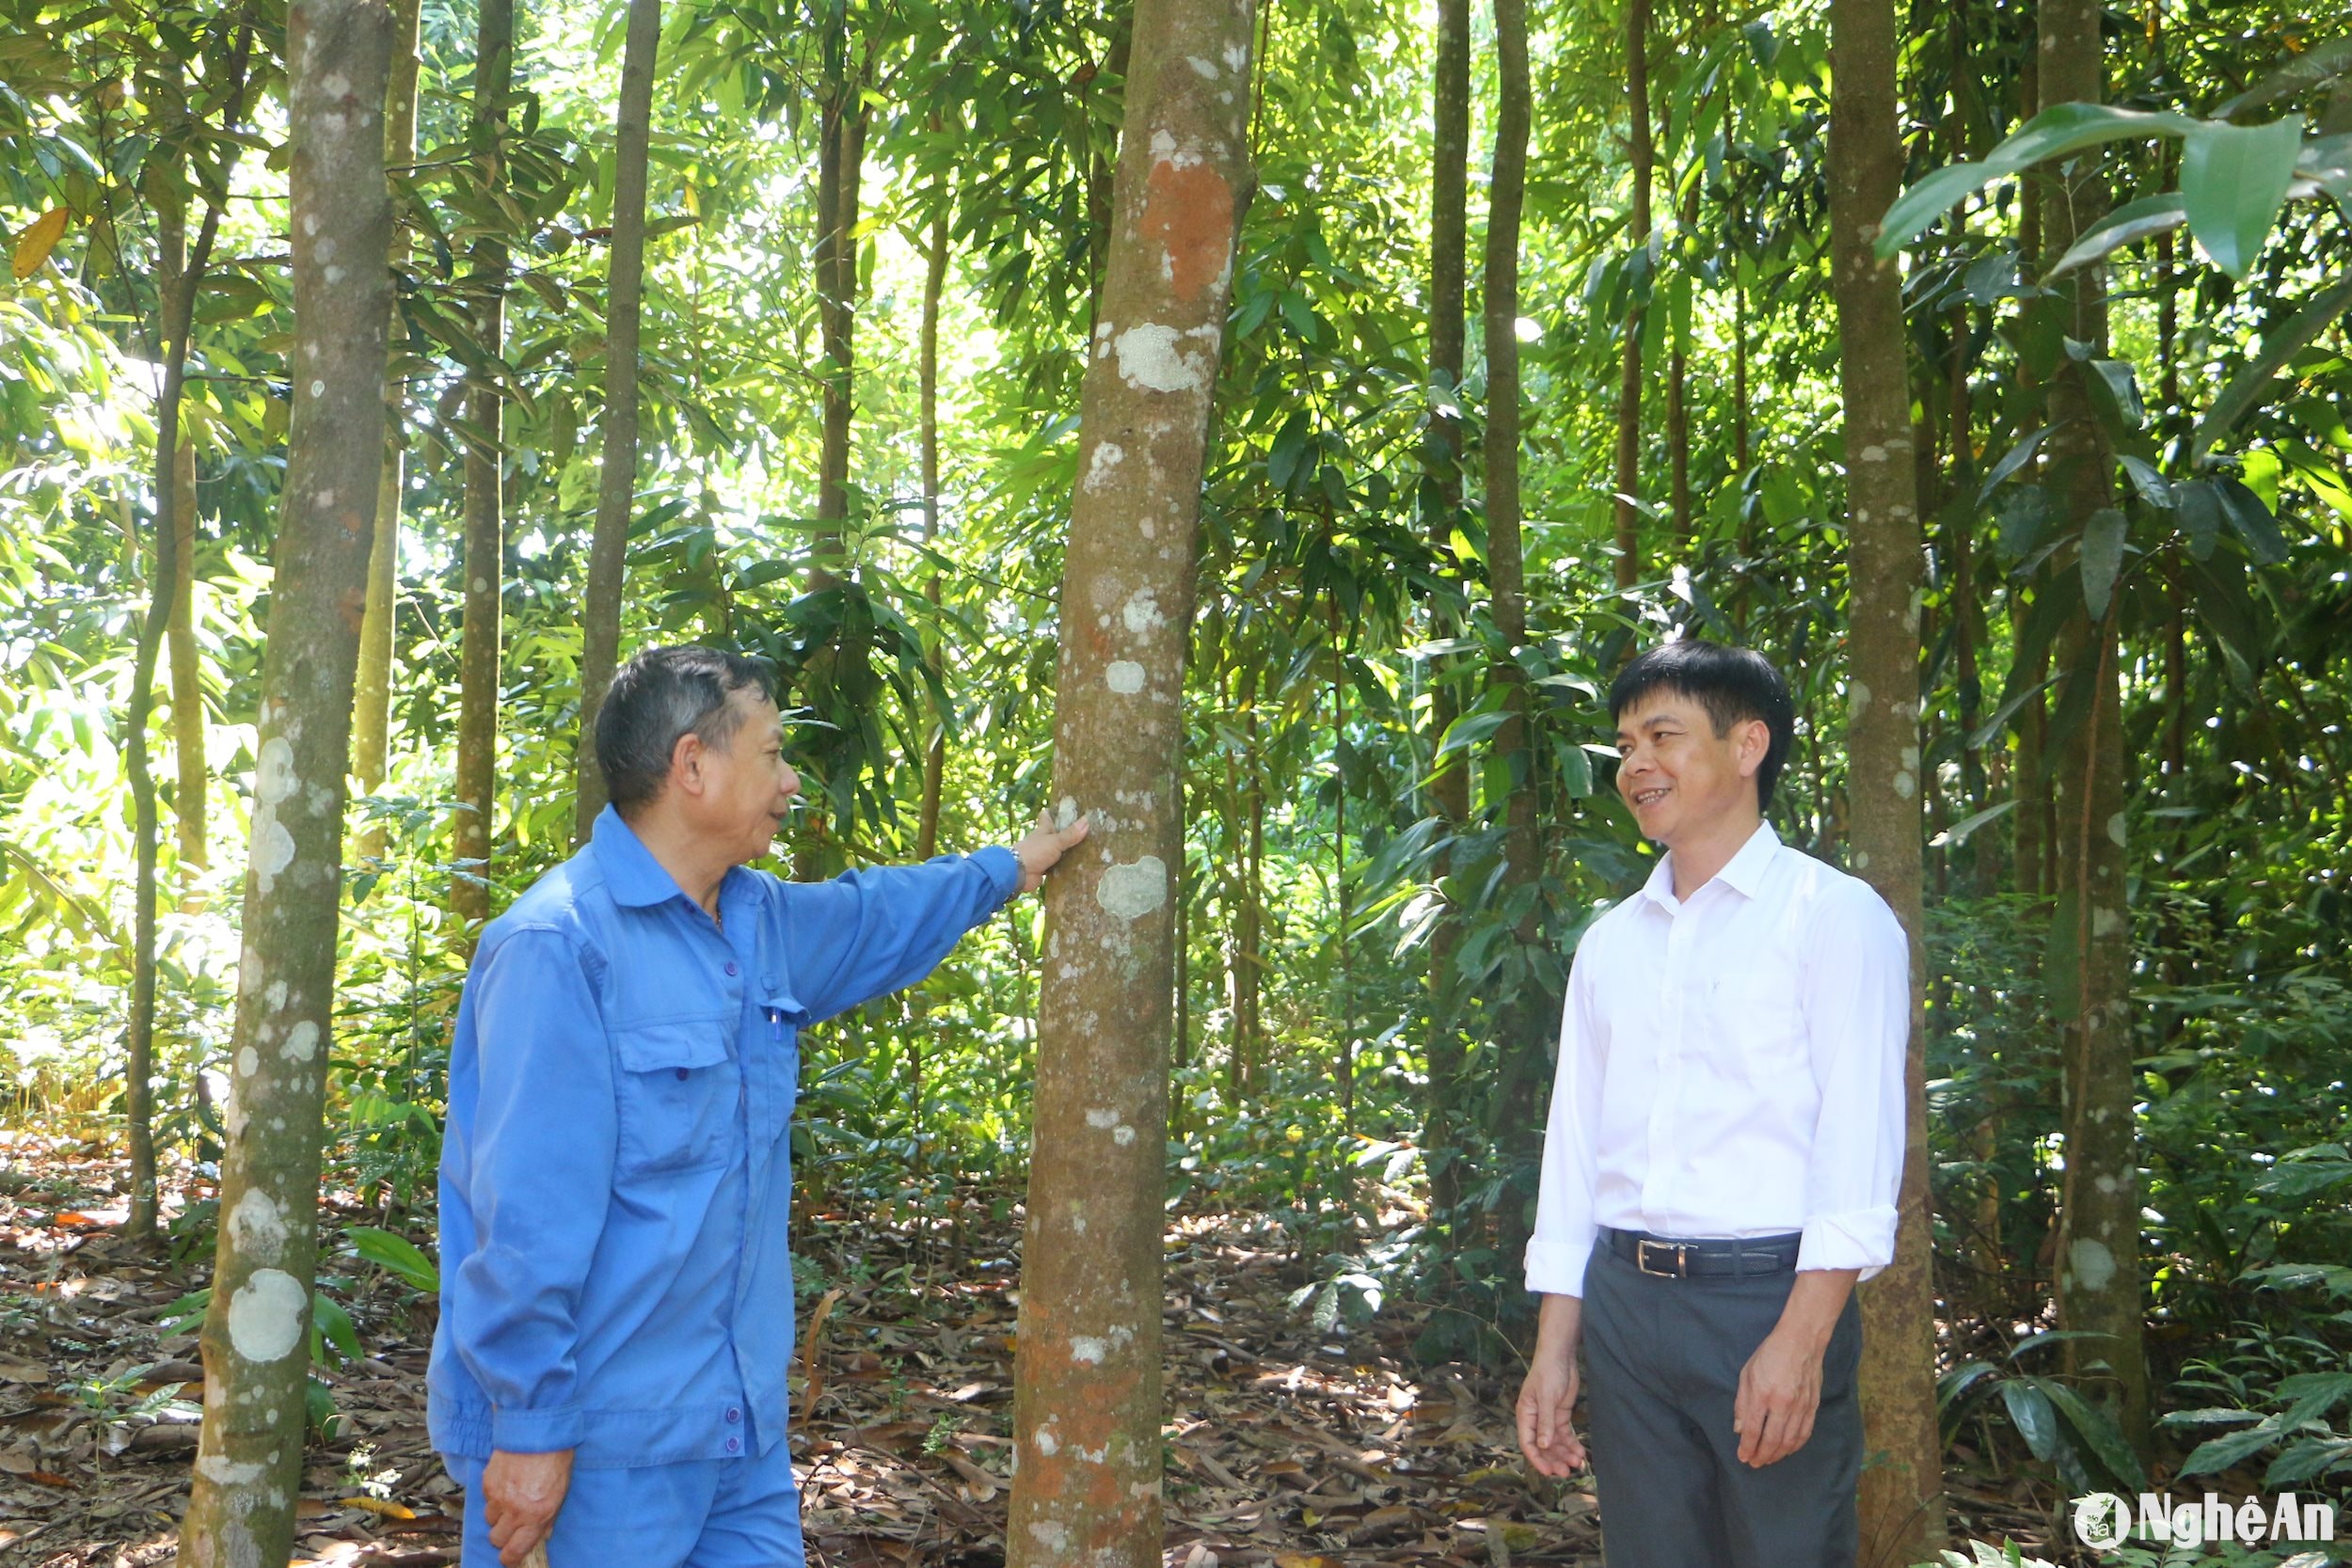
pixel 2234 180
pixel 2147 482
pixel 1956 835
pixel 2099 1432
pixel 2052 134
pixel 330 1321
pixel 2100 557
pixel 2012 460
pixel 2252 519
pixel 395 1254
pixel 2253 378
pixel 1924 202
pixel 2220 1454
pixel 2029 1409
pixel 2128 224
pixel 2198 504
pixel 2120 388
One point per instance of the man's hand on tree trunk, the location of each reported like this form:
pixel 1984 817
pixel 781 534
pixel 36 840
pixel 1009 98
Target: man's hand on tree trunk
pixel 1043 846
pixel 520 1494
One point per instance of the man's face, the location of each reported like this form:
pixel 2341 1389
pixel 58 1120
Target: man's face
pixel 747 785
pixel 1677 774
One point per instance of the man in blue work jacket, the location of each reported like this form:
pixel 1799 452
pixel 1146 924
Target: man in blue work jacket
pixel 616 1296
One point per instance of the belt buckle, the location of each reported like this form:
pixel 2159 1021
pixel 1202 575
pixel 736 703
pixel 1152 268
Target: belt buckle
pixel 1675 1250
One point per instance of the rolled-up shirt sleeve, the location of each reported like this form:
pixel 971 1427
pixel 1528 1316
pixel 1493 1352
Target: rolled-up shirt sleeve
pixel 1856 993
pixel 1564 1225
pixel 545 1138
pixel 868 933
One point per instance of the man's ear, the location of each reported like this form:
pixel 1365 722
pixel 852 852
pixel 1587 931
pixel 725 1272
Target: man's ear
pixel 1755 738
pixel 686 763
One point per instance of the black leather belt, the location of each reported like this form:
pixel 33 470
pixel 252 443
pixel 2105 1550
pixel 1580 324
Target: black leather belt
pixel 1670 1258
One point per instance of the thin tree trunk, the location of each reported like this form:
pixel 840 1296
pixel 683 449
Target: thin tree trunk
pixel 934 286
pixel 175 317
pixel 1516 1115
pixel 616 482
pixel 248 1466
pixel 2098 1263
pixel 841 164
pixel 1739 458
pixel 1902 1489
pixel 1449 783
pixel 479 663
pixel 189 803
pixel 1678 393
pixel 1628 518
pixel 1087 1405
pixel 1342 896
pixel 372 710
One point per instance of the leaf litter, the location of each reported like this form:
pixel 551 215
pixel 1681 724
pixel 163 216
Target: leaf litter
pixel 1289 1445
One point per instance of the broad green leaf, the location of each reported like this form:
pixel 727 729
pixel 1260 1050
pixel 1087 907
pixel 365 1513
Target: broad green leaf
pixel 2147 480
pixel 2120 388
pixel 1924 202
pixel 2029 1409
pixel 2252 519
pixel 2246 388
pixel 2199 506
pixel 2234 180
pixel 2012 460
pixel 395 1254
pixel 2102 558
pixel 2127 224
pixel 2220 1454
pixel 1956 835
pixel 2052 134
pixel 2099 1432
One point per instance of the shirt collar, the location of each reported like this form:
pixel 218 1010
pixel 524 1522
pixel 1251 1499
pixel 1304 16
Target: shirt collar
pixel 1744 872
pixel 631 875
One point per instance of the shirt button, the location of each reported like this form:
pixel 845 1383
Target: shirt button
pixel 733 1414
pixel 681 1076
pixel 735 1444
pixel 730 967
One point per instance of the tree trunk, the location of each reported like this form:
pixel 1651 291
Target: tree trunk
pixel 1449 783
pixel 1630 383
pixel 616 482
pixel 372 711
pixel 1088 1406
pixel 175 317
pixel 1677 386
pixel 2098 1265
pixel 1516 1116
pixel 934 286
pixel 478 667
pixel 249 1467
pixel 189 803
pixel 1342 898
pixel 841 168
pixel 1902 1489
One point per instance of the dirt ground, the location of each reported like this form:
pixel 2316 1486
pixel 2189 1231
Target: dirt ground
pixel 1287 1446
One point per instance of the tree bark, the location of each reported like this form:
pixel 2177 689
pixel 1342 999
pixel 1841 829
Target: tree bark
pixel 175 318
pixel 934 287
pixel 479 663
pixel 1088 1406
pixel 616 482
pixel 248 1466
pixel 1678 392
pixel 1902 1489
pixel 840 166
pixel 188 804
pixel 1449 782
pixel 1516 1117
pixel 1628 518
pixel 2098 1291
pixel 372 712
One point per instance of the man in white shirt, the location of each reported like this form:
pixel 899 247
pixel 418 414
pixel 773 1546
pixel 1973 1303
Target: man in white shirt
pixel 1721 1164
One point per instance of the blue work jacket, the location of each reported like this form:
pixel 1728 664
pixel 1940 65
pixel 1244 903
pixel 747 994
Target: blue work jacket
pixel 615 1176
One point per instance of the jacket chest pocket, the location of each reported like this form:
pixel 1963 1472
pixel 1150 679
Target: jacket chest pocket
pixel 679 1096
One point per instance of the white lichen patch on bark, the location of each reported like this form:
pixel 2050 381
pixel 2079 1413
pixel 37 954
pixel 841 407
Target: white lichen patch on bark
pixel 2119 829
pixel 1141 612
pixel 2090 1262
pixel 1104 462
pixel 302 1041
pixel 221 1470
pixel 265 1315
pixel 1123 1134
pixel 249 1062
pixel 1088 1350
pixel 257 1228
pixel 1052 1534
pixel 1152 358
pixel 1205 69
pixel 1132 892
pixel 1124 676
pixel 1101 1119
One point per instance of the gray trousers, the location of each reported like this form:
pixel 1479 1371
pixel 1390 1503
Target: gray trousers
pixel 1662 1359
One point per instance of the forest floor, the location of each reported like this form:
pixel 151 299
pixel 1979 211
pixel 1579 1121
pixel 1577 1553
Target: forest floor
pixel 1288 1446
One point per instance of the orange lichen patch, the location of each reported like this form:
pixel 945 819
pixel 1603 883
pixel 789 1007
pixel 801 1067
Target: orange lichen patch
pixel 1188 208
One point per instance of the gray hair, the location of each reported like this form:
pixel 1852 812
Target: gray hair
pixel 661 695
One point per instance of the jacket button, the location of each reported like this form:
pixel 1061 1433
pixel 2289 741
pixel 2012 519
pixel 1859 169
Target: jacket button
pixel 731 967
pixel 733 1414
pixel 735 1444
pixel 681 1076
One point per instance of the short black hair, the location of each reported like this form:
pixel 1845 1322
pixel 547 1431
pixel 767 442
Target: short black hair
pixel 656 697
pixel 1732 684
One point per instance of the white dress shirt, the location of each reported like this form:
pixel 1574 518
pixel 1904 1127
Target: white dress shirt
pixel 1731 1064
